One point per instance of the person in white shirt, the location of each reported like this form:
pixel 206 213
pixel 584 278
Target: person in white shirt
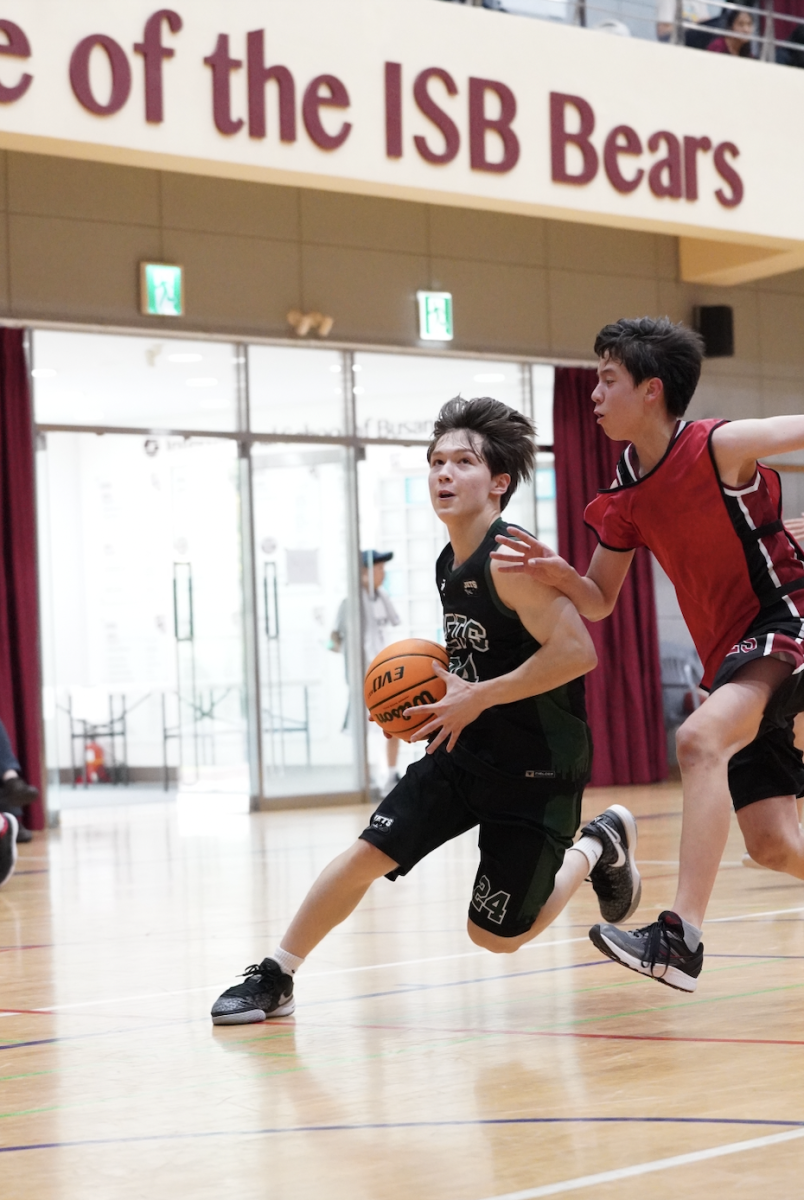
pixel 379 617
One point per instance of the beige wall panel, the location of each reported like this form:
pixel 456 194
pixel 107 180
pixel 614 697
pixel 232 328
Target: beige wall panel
pixel 371 294
pixel 77 270
pixel 497 307
pixel 791 283
pixel 781 332
pixel 780 397
pixel 733 399
pixel 4 267
pixel 675 300
pixel 592 248
pixel 581 304
pixel 3 179
pixel 666 257
pixel 236 283
pixel 206 205
pixel 336 219
pixel 487 236
pixel 65 187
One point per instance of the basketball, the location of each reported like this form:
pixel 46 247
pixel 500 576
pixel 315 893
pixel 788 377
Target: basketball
pixel 400 678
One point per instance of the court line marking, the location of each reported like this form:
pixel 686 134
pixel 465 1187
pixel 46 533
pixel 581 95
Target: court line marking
pixel 411 962
pixel 659 1164
pixel 534 945
pixel 457 1124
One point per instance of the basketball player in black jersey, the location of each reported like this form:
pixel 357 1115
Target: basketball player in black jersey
pixel 509 748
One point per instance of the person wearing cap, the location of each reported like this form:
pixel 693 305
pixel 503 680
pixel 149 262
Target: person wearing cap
pixel 378 617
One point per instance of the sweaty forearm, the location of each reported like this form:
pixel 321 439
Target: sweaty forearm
pixel 550 667
pixel 583 592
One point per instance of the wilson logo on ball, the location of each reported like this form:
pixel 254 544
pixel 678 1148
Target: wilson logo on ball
pixel 401 679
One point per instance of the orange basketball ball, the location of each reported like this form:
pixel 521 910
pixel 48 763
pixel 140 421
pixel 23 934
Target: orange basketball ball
pixel 401 678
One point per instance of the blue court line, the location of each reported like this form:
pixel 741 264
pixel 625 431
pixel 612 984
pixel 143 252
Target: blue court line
pixel 391 1125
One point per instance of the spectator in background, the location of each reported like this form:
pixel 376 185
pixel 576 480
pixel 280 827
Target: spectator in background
pixel 692 11
pixel 15 793
pixel 379 615
pixel 8 846
pixel 737 35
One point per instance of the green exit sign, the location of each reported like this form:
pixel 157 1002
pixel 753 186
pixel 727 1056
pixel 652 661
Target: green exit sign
pixel 435 316
pixel 161 290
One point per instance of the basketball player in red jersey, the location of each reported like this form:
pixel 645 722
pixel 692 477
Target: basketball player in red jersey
pixel 695 494
pixel 509 748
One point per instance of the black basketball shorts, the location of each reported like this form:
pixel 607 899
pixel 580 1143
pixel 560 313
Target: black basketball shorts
pixel 771 765
pixel 525 828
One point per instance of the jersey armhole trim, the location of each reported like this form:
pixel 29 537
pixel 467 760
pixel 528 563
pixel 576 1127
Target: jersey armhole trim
pixel 606 546
pixel 497 600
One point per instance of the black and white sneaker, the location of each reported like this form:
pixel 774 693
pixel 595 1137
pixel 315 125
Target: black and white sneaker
pixel 266 992
pixel 8 846
pixel 615 878
pixel 658 950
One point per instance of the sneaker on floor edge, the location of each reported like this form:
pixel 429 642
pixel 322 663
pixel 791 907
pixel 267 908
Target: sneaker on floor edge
pixel 658 950
pixel 8 846
pixel 266 992
pixel 615 878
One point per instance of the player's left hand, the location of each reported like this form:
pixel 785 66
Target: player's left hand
pixel 462 704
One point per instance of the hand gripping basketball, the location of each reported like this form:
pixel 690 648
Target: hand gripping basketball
pixel 400 679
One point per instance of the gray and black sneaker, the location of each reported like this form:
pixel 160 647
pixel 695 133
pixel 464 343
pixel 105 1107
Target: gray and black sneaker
pixel 266 992
pixel 658 950
pixel 8 846
pixel 616 880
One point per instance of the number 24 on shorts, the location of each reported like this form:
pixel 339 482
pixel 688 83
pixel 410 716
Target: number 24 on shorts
pixel 495 906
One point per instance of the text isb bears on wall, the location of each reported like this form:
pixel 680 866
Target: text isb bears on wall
pixel 494 146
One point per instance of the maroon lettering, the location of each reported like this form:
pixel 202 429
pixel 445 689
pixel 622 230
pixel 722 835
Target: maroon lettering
pixel 154 53
pixel 560 138
pixel 728 174
pixel 17 46
pixel 691 147
pixel 480 124
pixel 622 140
pixel 393 110
pixel 258 76
pixel 222 66
pixel 118 65
pixel 664 177
pixel 315 98
pixel 442 122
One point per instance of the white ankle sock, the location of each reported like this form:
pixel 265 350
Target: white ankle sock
pixel 590 848
pixel 692 935
pixel 289 963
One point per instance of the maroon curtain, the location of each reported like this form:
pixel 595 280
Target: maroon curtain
pixel 19 620
pixel 624 693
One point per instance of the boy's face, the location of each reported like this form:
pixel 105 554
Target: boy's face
pixel 461 483
pixel 620 403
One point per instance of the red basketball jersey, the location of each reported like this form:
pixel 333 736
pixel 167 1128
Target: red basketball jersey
pixel 724 548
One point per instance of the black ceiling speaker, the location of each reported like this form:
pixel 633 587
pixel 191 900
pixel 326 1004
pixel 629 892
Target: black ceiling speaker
pixel 715 324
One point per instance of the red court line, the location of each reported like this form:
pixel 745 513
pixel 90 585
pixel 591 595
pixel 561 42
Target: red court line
pixel 608 1037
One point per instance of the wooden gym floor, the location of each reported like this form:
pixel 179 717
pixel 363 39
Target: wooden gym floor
pixel 416 1065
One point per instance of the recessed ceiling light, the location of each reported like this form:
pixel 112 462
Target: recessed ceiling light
pixel 358 391
pixel 336 367
pixel 202 381
pixel 489 377
pixel 182 358
pixel 357 367
pixel 43 372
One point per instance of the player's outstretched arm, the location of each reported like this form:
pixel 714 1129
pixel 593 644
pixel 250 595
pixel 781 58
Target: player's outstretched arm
pixel 738 444
pixel 594 594
pixel 566 651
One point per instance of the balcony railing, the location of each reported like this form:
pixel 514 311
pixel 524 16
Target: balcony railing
pixel 762 32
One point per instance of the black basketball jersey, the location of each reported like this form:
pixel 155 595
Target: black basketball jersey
pixel 541 737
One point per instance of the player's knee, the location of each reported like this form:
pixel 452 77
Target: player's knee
pixel 491 941
pixel 767 849
pixel 366 861
pixel 697 742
